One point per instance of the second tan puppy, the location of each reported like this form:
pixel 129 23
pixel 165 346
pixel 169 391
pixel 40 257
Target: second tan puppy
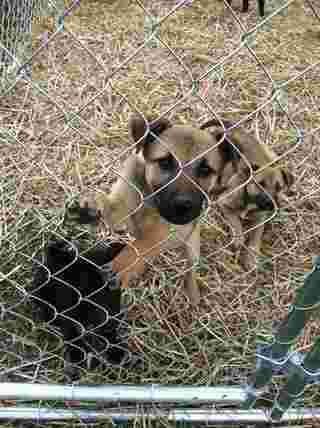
pixel 160 195
pixel 255 200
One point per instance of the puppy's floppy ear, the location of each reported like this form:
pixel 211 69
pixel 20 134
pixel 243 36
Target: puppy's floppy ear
pixel 138 128
pixel 227 150
pixel 288 177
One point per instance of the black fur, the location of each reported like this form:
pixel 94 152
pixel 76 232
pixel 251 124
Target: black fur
pixel 89 277
pixel 264 202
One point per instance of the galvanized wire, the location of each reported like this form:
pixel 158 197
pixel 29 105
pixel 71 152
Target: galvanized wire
pixel 63 132
pixel 15 35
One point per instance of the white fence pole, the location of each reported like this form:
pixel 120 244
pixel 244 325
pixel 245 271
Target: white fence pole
pixel 227 395
pixel 218 417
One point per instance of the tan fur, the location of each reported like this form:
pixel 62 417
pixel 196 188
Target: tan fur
pixel 275 181
pixel 124 203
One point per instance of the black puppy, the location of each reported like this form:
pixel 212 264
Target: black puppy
pixel 82 297
pixel 245 6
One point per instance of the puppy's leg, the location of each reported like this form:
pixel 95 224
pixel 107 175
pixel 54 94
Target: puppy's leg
pixel 234 221
pixel 254 240
pixel 230 202
pixel 74 352
pixel 245 6
pixel 131 262
pixel 192 250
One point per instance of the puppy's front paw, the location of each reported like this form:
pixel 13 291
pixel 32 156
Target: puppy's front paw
pixel 84 212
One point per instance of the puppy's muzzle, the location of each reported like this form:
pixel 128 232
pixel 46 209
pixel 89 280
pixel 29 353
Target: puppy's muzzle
pixel 179 208
pixel 264 202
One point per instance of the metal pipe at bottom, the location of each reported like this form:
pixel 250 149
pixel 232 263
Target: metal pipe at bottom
pixel 219 417
pixel 228 395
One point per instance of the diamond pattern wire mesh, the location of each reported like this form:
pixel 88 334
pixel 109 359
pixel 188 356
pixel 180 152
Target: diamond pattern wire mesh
pixel 15 34
pixel 64 131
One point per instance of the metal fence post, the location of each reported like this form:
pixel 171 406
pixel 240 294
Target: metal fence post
pixel 277 353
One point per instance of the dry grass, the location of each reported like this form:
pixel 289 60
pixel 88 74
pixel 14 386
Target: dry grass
pixel 86 76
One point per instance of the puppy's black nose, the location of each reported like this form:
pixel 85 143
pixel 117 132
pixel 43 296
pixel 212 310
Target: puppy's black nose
pixel 182 205
pixel 264 202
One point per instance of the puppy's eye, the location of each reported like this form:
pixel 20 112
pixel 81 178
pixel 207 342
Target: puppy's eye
pixel 167 163
pixel 204 169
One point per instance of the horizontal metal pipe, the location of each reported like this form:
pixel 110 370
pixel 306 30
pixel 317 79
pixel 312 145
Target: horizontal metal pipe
pixel 219 417
pixel 228 395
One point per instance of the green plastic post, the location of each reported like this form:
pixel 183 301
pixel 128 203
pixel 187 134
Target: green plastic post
pixel 297 381
pixel 306 300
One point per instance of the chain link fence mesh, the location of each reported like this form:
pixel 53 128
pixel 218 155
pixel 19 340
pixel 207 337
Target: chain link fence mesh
pixel 64 131
pixel 15 34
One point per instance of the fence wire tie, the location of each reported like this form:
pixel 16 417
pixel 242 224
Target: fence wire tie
pixel 292 361
pixel 307 308
pixel 310 377
pixel 264 357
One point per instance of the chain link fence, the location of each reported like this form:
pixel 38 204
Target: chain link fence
pixel 15 36
pixel 71 74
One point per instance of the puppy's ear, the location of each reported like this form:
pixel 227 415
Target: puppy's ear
pixel 138 128
pixel 287 177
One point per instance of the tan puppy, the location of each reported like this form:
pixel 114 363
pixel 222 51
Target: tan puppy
pixel 161 195
pixel 244 198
